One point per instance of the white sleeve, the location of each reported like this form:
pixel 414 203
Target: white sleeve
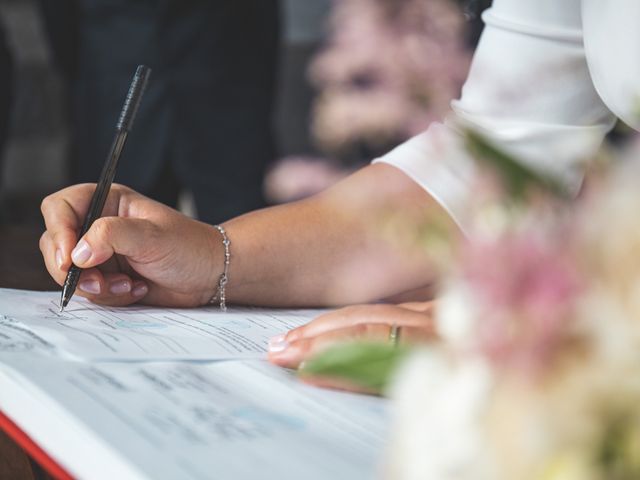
pixel 529 91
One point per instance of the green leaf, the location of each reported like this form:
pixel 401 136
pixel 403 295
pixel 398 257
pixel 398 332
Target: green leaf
pixel 369 365
pixel 517 177
pixel 619 454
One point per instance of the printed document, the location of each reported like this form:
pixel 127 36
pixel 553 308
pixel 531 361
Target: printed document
pixel 139 393
pixel 137 333
pixel 227 420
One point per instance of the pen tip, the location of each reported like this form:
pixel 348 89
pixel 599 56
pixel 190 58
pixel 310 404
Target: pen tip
pixel 61 309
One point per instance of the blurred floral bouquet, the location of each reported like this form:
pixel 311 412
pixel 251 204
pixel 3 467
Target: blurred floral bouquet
pixel 537 373
pixel 538 376
pixel 391 67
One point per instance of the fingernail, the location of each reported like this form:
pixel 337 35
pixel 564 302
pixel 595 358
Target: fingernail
pixel 90 286
pixel 140 290
pixel 59 259
pixel 278 344
pixel 81 253
pixel 120 288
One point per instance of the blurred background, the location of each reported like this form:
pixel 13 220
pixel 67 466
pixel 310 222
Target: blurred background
pixel 225 126
pixel 37 138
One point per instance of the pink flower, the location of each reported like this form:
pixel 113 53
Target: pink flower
pixel 403 57
pixel 525 286
pixel 295 178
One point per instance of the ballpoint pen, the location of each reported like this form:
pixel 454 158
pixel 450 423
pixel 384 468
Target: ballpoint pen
pixel 123 127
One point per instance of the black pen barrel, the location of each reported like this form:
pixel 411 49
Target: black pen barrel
pixel 99 198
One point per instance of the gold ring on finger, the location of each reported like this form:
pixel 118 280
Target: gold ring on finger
pixel 394 334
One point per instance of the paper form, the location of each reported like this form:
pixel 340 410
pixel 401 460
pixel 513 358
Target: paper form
pixel 139 333
pixel 225 420
pixel 17 338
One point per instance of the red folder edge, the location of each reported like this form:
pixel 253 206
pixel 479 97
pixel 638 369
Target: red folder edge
pixel 34 451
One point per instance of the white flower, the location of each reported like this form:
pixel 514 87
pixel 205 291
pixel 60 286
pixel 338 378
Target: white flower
pixel 455 318
pixel 439 407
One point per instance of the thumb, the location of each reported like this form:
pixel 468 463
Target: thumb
pixel 110 235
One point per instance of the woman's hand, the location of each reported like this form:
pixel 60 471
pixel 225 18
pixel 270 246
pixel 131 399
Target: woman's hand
pixel 140 250
pixel 363 322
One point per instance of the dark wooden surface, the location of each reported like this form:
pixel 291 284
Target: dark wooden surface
pixel 13 461
pixel 21 266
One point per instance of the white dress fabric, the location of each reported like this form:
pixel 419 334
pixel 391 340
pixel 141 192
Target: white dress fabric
pixel 547 81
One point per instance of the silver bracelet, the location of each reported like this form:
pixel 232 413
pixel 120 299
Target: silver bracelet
pixel 224 277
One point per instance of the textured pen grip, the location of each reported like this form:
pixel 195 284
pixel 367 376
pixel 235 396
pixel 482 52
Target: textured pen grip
pixel 70 283
pixel 132 102
pixel 73 275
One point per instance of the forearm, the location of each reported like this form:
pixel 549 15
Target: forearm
pixel 332 249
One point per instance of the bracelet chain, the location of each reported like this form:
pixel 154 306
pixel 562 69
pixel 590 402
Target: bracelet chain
pixel 224 277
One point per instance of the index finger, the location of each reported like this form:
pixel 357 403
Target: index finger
pixel 361 314
pixel 424 307
pixel 64 212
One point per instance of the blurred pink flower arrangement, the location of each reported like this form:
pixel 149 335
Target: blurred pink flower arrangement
pixel 524 286
pixel 540 317
pixel 295 178
pixel 391 67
